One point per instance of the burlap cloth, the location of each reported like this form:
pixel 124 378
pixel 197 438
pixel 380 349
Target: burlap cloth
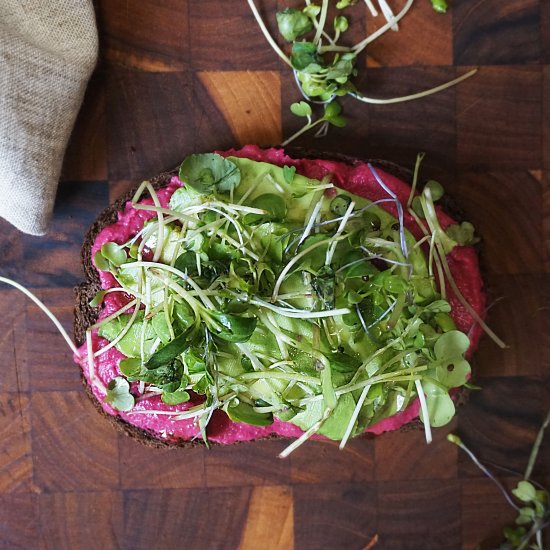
pixel 48 49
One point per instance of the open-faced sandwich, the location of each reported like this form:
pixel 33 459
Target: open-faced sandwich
pixel 251 294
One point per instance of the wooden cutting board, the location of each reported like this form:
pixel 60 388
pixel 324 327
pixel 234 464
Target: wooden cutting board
pixel 176 77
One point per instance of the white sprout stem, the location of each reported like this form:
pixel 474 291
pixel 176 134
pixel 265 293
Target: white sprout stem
pixel 160 216
pixel 165 308
pixel 371 8
pixel 306 435
pixel 398 205
pixel 466 304
pixel 122 333
pixel 354 416
pixel 177 272
pixel 278 375
pixel 46 310
pixel 322 20
pixel 311 221
pixel 424 410
pixel 267 34
pixel 160 210
pixel 245 350
pixel 332 247
pixel 412 97
pixel 234 208
pixel 293 262
pixel 114 315
pixel 300 313
pixel 359 47
pixel 388 14
pixel 302 130
pixel 252 187
pixel 419 159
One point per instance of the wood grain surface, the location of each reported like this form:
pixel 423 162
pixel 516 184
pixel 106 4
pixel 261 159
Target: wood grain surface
pixel 176 77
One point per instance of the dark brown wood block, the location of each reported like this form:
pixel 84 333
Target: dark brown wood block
pixel 82 520
pixel 19 524
pixel 183 517
pixel 546 107
pixel 505 210
pixel 342 515
pixel 485 513
pixel 65 424
pixel 545 326
pixel 515 314
pixel 318 461
pixel 406 455
pixel 419 514
pixel 432 46
pixel 498 115
pixel 143 467
pixel 148 35
pixel 151 122
pixel 86 155
pixel 494 32
pixel 226 36
pixel 15 376
pixel 53 260
pixel 55 370
pixel 545 31
pixel 500 423
pixel 15 458
pixel 399 132
pixel 247 464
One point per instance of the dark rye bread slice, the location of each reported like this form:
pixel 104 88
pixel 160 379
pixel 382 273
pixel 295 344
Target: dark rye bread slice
pixel 86 315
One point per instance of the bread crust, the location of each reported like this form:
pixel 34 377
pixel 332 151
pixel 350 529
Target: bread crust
pixel 86 315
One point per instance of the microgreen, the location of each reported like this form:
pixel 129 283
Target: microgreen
pixel 323 68
pixel 118 394
pixel 209 172
pixel 530 500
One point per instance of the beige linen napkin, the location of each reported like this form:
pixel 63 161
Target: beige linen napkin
pixel 48 49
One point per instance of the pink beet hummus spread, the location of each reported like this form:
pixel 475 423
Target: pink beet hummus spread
pixel 356 179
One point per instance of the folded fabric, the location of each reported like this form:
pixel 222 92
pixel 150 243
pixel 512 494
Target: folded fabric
pixel 48 49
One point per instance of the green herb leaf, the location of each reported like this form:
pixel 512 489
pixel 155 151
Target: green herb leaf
pixel 243 412
pixel 305 57
pixel 115 253
pixel 342 4
pixel 235 328
pixel 440 6
pixel 98 298
pixel 208 173
pixel 175 398
pixel 131 368
pixel 101 262
pixel 525 491
pixel 463 234
pixel 341 23
pixel 289 171
pixel 436 189
pixel 118 394
pixel 302 109
pixel 169 352
pixel 293 23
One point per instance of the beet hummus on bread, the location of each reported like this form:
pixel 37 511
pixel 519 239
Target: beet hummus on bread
pixel 251 294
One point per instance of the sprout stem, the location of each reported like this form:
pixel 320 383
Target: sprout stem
pixel 267 34
pixel 360 46
pixel 46 310
pixel 412 97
